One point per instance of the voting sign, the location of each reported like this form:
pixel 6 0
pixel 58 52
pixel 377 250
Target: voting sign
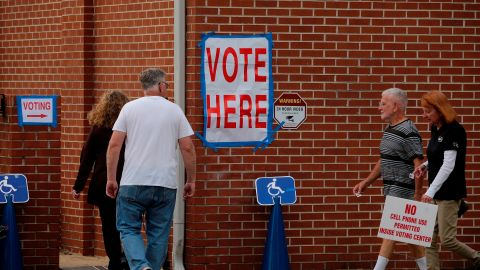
pixel 237 90
pixel 408 221
pixel 37 110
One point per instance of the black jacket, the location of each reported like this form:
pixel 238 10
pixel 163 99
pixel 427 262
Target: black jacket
pixel 94 154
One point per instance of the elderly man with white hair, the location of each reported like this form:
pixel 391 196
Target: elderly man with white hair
pixel 400 153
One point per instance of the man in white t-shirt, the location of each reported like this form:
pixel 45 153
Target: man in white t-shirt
pixel 152 128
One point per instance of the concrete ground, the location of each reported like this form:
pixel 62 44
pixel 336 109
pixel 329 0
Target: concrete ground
pixel 79 262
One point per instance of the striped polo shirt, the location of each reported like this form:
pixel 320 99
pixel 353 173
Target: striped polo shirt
pixel 401 145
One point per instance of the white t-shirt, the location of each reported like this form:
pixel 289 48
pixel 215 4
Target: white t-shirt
pixel 153 126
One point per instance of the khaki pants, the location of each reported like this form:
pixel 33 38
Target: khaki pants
pixel 446 229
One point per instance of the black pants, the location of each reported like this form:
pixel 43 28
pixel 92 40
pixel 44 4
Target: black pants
pixel 111 237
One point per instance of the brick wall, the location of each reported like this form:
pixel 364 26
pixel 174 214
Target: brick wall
pixel 105 50
pixel 338 55
pixel 29 65
pixel 77 26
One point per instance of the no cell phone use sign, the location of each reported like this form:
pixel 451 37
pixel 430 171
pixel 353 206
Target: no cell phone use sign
pixel 408 221
pixel 291 110
pixel 37 110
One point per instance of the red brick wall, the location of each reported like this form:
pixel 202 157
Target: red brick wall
pixel 30 65
pixel 77 39
pixel 338 55
pixel 110 47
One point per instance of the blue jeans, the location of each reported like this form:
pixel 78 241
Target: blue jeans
pixel 157 204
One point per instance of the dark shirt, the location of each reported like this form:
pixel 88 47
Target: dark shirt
pixel 448 137
pixel 94 154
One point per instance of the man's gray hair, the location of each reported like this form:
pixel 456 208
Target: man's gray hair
pixel 151 77
pixel 399 95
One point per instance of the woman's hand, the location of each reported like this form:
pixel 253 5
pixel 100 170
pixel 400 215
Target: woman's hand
pixel 426 199
pixel 75 194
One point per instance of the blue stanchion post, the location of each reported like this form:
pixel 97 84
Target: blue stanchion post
pixel 10 252
pixel 276 252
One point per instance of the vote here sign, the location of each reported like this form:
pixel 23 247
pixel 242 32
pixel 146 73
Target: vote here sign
pixel 408 221
pixel 237 90
pixel 37 110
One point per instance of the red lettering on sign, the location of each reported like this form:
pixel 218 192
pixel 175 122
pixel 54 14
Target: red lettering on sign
pixel 422 238
pixel 394 216
pixel 386 231
pixel 230 56
pixel 245 52
pixel 225 106
pixel 228 111
pixel 410 209
pixel 230 78
pixel 259 64
pixel 36 105
pixel 246 112
pixel 213 110
pixel 260 111
pixel 213 70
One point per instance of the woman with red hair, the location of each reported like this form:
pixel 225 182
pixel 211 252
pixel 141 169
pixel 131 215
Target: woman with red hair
pixel 446 153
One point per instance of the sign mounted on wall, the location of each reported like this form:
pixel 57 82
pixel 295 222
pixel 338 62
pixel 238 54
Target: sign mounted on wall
pixel 37 110
pixel 237 90
pixel 291 109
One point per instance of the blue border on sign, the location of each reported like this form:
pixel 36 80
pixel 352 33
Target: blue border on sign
pixel 22 123
pixel 258 144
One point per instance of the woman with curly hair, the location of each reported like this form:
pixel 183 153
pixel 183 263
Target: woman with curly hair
pixel 93 155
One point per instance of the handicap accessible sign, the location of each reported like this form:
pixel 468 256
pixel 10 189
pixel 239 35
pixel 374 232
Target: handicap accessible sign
pixel 269 188
pixel 14 185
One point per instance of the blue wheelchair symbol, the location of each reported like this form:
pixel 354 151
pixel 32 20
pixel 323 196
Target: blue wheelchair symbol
pixel 14 185
pixel 268 188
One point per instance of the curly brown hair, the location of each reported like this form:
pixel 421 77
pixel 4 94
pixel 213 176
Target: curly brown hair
pixel 105 113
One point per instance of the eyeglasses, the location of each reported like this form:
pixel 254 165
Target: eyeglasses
pixel 166 84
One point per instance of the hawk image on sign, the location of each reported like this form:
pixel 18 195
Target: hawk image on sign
pixel 290 109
